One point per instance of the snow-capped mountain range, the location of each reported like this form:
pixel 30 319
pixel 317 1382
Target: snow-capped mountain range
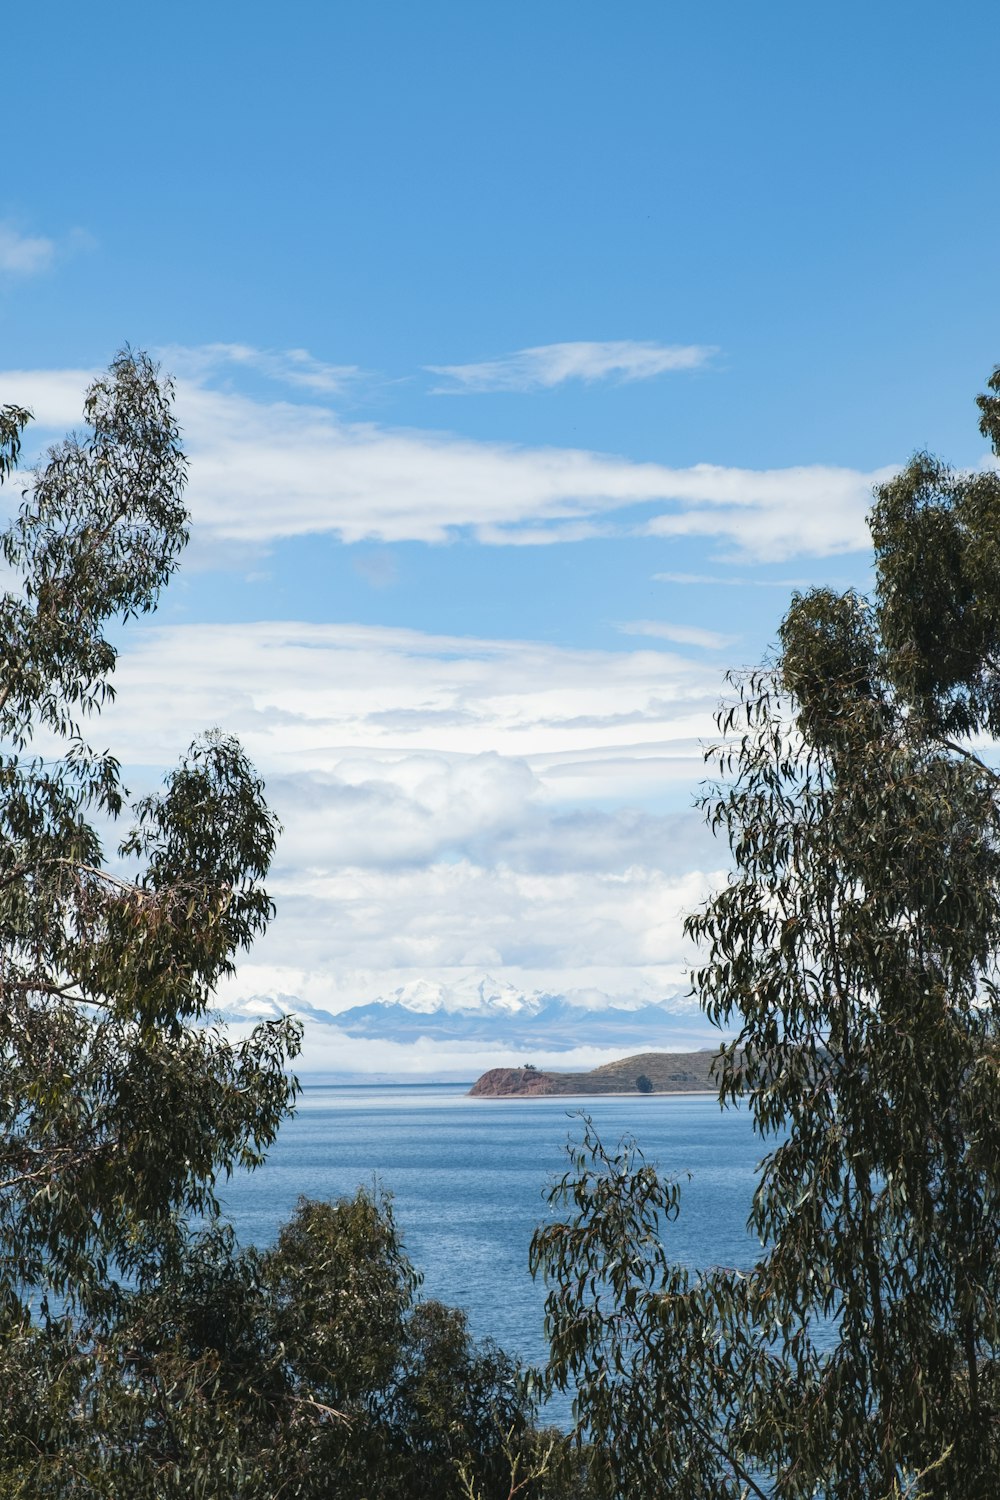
pixel 482 1009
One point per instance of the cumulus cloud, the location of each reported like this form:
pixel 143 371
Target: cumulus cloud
pixel 343 936
pixel 346 935
pixel 24 254
pixel 457 913
pixel 392 810
pixel 548 365
pixel 384 812
pixel 264 471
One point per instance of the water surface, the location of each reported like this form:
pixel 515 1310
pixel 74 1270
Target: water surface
pixel 468 1178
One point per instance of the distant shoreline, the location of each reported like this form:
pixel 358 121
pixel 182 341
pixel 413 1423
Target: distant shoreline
pixel 643 1075
pixel 604 1094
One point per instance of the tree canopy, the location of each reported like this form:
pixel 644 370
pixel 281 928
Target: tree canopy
pixel 852 955
pixel 116 1115
pixel 851 958
pixel 142 1351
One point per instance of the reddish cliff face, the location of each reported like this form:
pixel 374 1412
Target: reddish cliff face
pixel 501 1081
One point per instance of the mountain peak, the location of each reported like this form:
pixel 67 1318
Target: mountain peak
pixel 478 1008
pixel 470 995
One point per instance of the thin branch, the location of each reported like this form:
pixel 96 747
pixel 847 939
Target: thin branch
pixel 328 1411
pixel 970 755
pixel 52 1169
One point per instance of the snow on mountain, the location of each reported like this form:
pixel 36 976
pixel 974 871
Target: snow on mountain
pixel 483 1009
pixel 470 994
pixel 272 1008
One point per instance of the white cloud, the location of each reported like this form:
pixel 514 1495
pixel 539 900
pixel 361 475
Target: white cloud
pixel 773 514
pixel 379 811
pixel 264 471
pixel 261 472
pixel 730 582
pixel 384 812
pixel 22 254
pixel 55 397
pixel 682 635
pixel 446 802
pixel 458 913
pixel 294 367
pixel 305 697
pixel 548 365
pixel 346 934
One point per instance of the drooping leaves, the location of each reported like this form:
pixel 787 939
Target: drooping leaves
pixel 852 957
pixel 118 1106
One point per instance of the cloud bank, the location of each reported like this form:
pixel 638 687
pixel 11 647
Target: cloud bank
pixel 448 803
pixel 262 472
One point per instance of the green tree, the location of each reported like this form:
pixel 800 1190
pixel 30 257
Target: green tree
pixel 307 1371
pixel 644 1083
pixel 118 1111
pixel 142 1352
pixel 854 954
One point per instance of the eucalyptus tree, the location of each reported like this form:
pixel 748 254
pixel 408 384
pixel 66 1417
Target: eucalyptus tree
pixel 119 1107
pixel 852 956
pixel 142 1351
pixel 306 1371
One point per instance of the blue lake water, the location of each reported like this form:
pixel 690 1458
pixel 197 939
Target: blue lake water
pixel 468 1178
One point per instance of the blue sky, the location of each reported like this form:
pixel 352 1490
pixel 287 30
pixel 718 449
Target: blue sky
pixel 528 356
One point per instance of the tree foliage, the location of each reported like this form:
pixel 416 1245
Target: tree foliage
pixel 142 1352
pixel 116 1113
pixel 306 1371
pixel 853 957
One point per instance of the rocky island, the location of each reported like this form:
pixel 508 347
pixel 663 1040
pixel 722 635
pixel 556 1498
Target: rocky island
pixel 643 1073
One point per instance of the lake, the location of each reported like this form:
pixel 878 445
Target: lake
pixel 468 1178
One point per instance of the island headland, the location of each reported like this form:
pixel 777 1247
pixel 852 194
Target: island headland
pixel 643 1073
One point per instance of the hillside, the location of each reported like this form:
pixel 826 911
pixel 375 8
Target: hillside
pixel 668 1072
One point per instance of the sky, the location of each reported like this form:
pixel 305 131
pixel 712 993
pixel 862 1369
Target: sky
pixel 528 357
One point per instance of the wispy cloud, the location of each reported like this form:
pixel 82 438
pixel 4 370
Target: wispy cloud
pixel 681 635
pixel 262 471
pixel 730 582
pixel 770 515
pixel 378 569
pixel 293 367
pixel 549 365
pixel 23 254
